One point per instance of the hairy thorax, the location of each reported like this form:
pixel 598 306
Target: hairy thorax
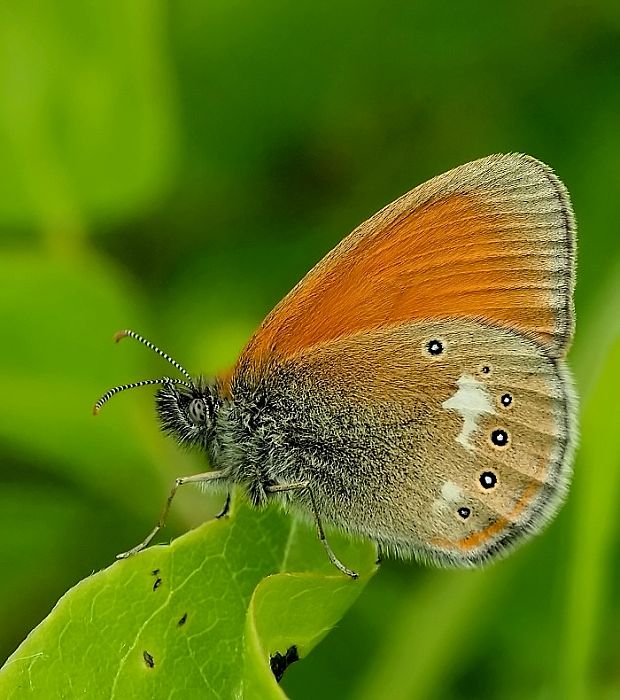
pixel 289 426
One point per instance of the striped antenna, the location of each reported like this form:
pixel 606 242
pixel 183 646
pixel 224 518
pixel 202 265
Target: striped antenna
pixel 145 382
pixel 132 334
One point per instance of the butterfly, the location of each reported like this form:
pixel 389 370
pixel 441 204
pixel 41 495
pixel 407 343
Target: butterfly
pixel 412 388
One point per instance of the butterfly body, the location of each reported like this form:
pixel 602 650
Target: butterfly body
pixel 412 387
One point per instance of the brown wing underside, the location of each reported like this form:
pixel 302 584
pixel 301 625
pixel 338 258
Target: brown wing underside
pixel 492 239
pixel 422 427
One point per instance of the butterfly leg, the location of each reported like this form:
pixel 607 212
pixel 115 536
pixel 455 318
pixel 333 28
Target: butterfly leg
pixel 279 488
pixel 332 557
pixel 379 559
pixel 304 486
pixel 225 509
pixel 194 479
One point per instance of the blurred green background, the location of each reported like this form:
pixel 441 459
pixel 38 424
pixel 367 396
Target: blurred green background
pixel 175 168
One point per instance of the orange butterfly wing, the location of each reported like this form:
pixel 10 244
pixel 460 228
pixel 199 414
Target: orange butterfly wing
pixel 491 240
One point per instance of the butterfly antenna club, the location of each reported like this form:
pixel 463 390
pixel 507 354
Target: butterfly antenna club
pixel 136 336
pixel 123 387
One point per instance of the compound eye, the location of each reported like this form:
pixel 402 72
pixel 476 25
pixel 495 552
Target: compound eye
pixel 197 411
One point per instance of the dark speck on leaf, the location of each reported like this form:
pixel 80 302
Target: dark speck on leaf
pixel 157 584
pixel 148 659
pixel 155 572
pixel 279 663
pixel 183 620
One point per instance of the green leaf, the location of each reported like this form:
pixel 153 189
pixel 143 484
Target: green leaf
pixel 199 618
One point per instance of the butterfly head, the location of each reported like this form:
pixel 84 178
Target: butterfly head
pixel 187 408
pixel 188 412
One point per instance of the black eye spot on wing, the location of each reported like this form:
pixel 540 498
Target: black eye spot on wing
pixel 464 512
pixel 488 480
pixel 499 438
pixel 485 369
pixel 435 347
pixel 506 400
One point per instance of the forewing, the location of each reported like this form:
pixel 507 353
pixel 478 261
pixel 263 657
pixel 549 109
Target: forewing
pixel 492 239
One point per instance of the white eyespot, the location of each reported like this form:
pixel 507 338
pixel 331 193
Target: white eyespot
pixel 471 400
pixel 506 400
pixel 488 480
pixel 435 347
pixel 499 438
